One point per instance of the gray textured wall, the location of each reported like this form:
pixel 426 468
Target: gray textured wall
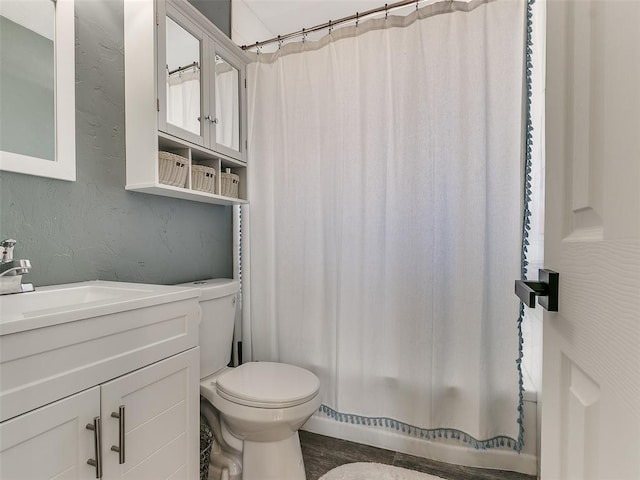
pixel 92 228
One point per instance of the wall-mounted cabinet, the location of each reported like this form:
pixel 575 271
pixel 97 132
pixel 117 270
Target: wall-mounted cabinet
pixel 185 94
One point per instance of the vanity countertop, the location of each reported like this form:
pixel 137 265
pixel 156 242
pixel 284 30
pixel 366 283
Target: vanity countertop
pixel 58 304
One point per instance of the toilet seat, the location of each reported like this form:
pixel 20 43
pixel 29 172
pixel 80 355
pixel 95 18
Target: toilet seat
pixel 267 385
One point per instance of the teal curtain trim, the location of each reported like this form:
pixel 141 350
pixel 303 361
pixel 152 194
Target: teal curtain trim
pixel 526 210
pixel 499 441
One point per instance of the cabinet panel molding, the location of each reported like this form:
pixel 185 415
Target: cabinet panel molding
pixel 56 435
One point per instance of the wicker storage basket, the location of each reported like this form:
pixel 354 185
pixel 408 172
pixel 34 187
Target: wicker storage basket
pixel 206 441
pixel 229 183
pixel 203 178
pixel 173 169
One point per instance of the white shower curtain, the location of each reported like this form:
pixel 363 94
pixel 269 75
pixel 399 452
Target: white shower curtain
pixel 385 189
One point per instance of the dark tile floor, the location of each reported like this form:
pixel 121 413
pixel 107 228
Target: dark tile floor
pixel 322 454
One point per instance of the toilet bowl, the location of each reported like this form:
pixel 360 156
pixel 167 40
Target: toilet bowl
pixel 264 404
pixel 259 406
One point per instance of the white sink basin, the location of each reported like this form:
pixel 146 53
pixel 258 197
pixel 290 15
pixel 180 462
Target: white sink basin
pixel 76 301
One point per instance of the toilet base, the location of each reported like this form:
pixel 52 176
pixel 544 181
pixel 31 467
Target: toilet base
pixel 223 465
pixel 273 460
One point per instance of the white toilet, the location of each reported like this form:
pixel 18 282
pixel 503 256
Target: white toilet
pixel 255 409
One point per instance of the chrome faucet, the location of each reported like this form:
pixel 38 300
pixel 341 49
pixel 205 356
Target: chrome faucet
pixel 11 270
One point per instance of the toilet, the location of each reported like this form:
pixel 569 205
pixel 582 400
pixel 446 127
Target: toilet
pixel 255 409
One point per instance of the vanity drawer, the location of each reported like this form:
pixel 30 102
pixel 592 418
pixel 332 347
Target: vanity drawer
pixel 45 364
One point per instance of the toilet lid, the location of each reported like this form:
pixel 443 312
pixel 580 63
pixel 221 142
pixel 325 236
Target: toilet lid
pixel 268 385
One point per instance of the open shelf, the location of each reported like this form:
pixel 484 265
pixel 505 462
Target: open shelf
pixel 196 155
pixel 185 194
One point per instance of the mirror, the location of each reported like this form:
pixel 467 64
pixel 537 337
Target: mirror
pixel 183 78
pixel 37 88
pixel 227 106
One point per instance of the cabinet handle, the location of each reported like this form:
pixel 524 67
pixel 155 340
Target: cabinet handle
pixel 120 447
pixel 96 428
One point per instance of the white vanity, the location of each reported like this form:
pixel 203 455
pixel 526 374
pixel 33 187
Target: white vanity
pixel 100 380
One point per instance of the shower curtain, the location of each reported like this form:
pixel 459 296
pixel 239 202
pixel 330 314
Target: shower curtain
pixel 386 215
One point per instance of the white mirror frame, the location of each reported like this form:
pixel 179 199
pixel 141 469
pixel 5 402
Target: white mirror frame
pixel 64 166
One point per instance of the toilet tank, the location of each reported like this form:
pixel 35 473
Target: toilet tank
pixel 218 305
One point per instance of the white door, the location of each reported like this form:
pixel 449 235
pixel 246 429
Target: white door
pixel 591 366
pixel 52 441
pixel 158 408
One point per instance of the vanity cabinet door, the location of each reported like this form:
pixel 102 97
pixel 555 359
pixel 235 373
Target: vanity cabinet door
pixel 52 441
pixel 151 421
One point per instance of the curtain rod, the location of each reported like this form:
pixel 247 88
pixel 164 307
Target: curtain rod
pixel 193 65
pixel 332 23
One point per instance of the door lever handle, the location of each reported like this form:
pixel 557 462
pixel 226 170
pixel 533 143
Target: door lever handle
pixel 546 289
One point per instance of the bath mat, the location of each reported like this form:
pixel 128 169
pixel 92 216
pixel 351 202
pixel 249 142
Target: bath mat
pixel 374 471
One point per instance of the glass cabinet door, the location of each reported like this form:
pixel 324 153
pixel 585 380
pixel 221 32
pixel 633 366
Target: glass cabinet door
pixel 201 83
pixel 227 75
pixel 181 83
pixel 227 91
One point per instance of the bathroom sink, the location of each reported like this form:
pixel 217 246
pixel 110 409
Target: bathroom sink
pixel 76 301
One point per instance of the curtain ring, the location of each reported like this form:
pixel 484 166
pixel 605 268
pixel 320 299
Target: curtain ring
pixel 357 19
pixel 279 42
pixel 304 36
pixel 330 27
pixel 417 2
pixel 386 11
